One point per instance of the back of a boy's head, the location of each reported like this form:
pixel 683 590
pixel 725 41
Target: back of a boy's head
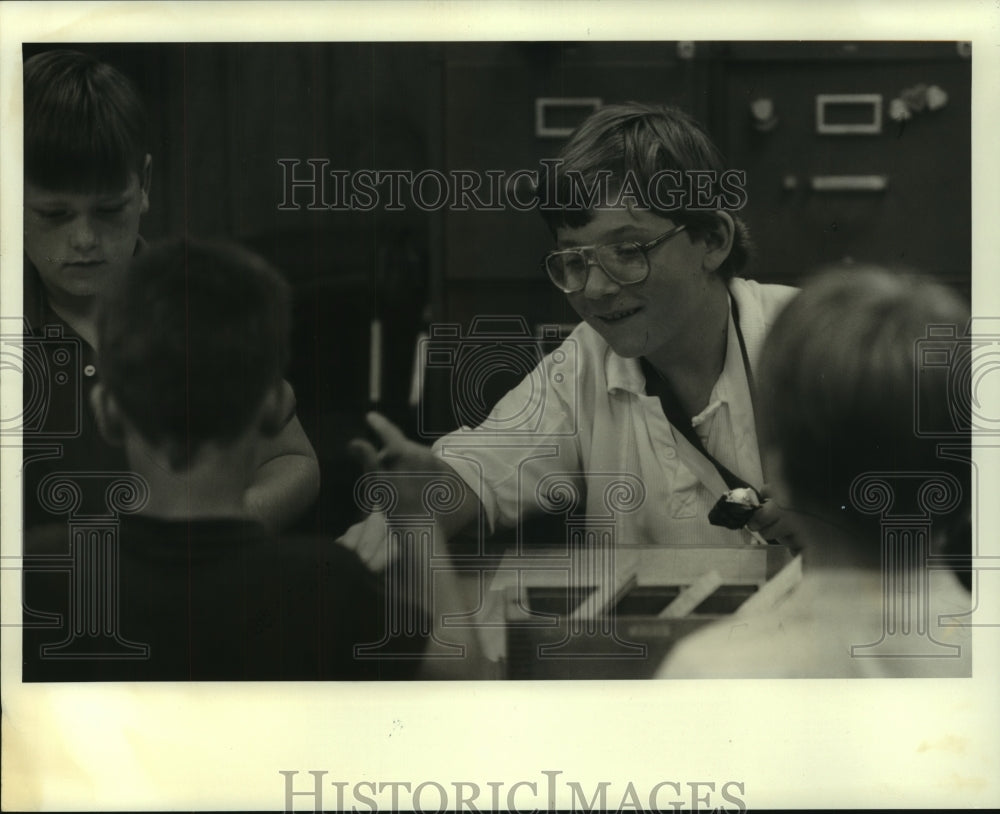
pixel 85 127
pixel 190 340
pixel 839 386
pixel 639 141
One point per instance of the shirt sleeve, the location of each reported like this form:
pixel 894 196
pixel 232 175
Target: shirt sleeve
pixel 531 433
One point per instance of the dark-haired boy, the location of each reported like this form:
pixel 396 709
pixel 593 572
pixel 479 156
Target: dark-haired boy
pixel 193 343
pixel 87 177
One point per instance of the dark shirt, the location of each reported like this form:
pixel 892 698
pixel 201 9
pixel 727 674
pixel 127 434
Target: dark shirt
pixel 61 439
pixel 59 433
pixel 208 600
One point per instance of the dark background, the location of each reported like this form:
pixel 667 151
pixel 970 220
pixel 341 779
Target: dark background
pixel 223 114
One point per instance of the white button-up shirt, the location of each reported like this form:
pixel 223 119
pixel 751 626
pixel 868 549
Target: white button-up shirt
pixel 581 425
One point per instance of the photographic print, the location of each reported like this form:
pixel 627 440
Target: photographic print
pixel 606 380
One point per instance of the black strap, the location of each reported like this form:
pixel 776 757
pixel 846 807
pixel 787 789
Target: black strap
pixel 679 418
pixel 743 352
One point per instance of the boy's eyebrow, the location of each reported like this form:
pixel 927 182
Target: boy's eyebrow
pixel 47 204
pixel 48 199
pixel 622 231
pixel 105 196
pixel 613 236
pixel 43 195
pixel 115 197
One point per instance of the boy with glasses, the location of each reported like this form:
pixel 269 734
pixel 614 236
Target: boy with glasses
pixel 661 384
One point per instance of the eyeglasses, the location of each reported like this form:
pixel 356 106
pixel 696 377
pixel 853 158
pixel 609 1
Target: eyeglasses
pixel 625 263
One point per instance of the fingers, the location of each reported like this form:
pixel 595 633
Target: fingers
pixel 771 522
pixel 392 439
pixel 389 434
pixel 766 516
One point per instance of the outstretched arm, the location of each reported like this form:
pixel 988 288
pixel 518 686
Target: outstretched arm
pixel 286 477
pixel 399 454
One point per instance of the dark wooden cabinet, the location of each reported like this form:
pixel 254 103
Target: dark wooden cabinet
pixel 834 178
pixel 812 179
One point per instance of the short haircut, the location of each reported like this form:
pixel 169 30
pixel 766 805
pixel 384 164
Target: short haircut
pixel 638 141
pixel 839 387
pixel 190 339
pixel 85 127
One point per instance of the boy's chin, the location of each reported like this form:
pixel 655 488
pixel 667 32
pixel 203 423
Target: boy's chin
pixel 87 282
pixel 627 348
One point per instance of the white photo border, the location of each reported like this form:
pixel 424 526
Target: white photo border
pixel 793 744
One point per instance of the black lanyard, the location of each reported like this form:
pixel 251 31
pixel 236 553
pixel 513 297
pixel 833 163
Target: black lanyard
pixel 743 352
pixel 679 418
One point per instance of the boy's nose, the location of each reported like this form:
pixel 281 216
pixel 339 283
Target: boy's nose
pixel 83 235
pixel 599 284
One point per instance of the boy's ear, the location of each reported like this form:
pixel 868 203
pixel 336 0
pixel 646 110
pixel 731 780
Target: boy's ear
pixel 279 402
pixel 719 241
pixel 108 414
pixel 145 182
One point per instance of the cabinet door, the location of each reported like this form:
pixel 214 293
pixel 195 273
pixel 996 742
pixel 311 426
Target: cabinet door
pixel 831 176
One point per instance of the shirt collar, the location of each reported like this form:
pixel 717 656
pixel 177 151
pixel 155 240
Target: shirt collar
pixel 732 374
pixel 623 374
